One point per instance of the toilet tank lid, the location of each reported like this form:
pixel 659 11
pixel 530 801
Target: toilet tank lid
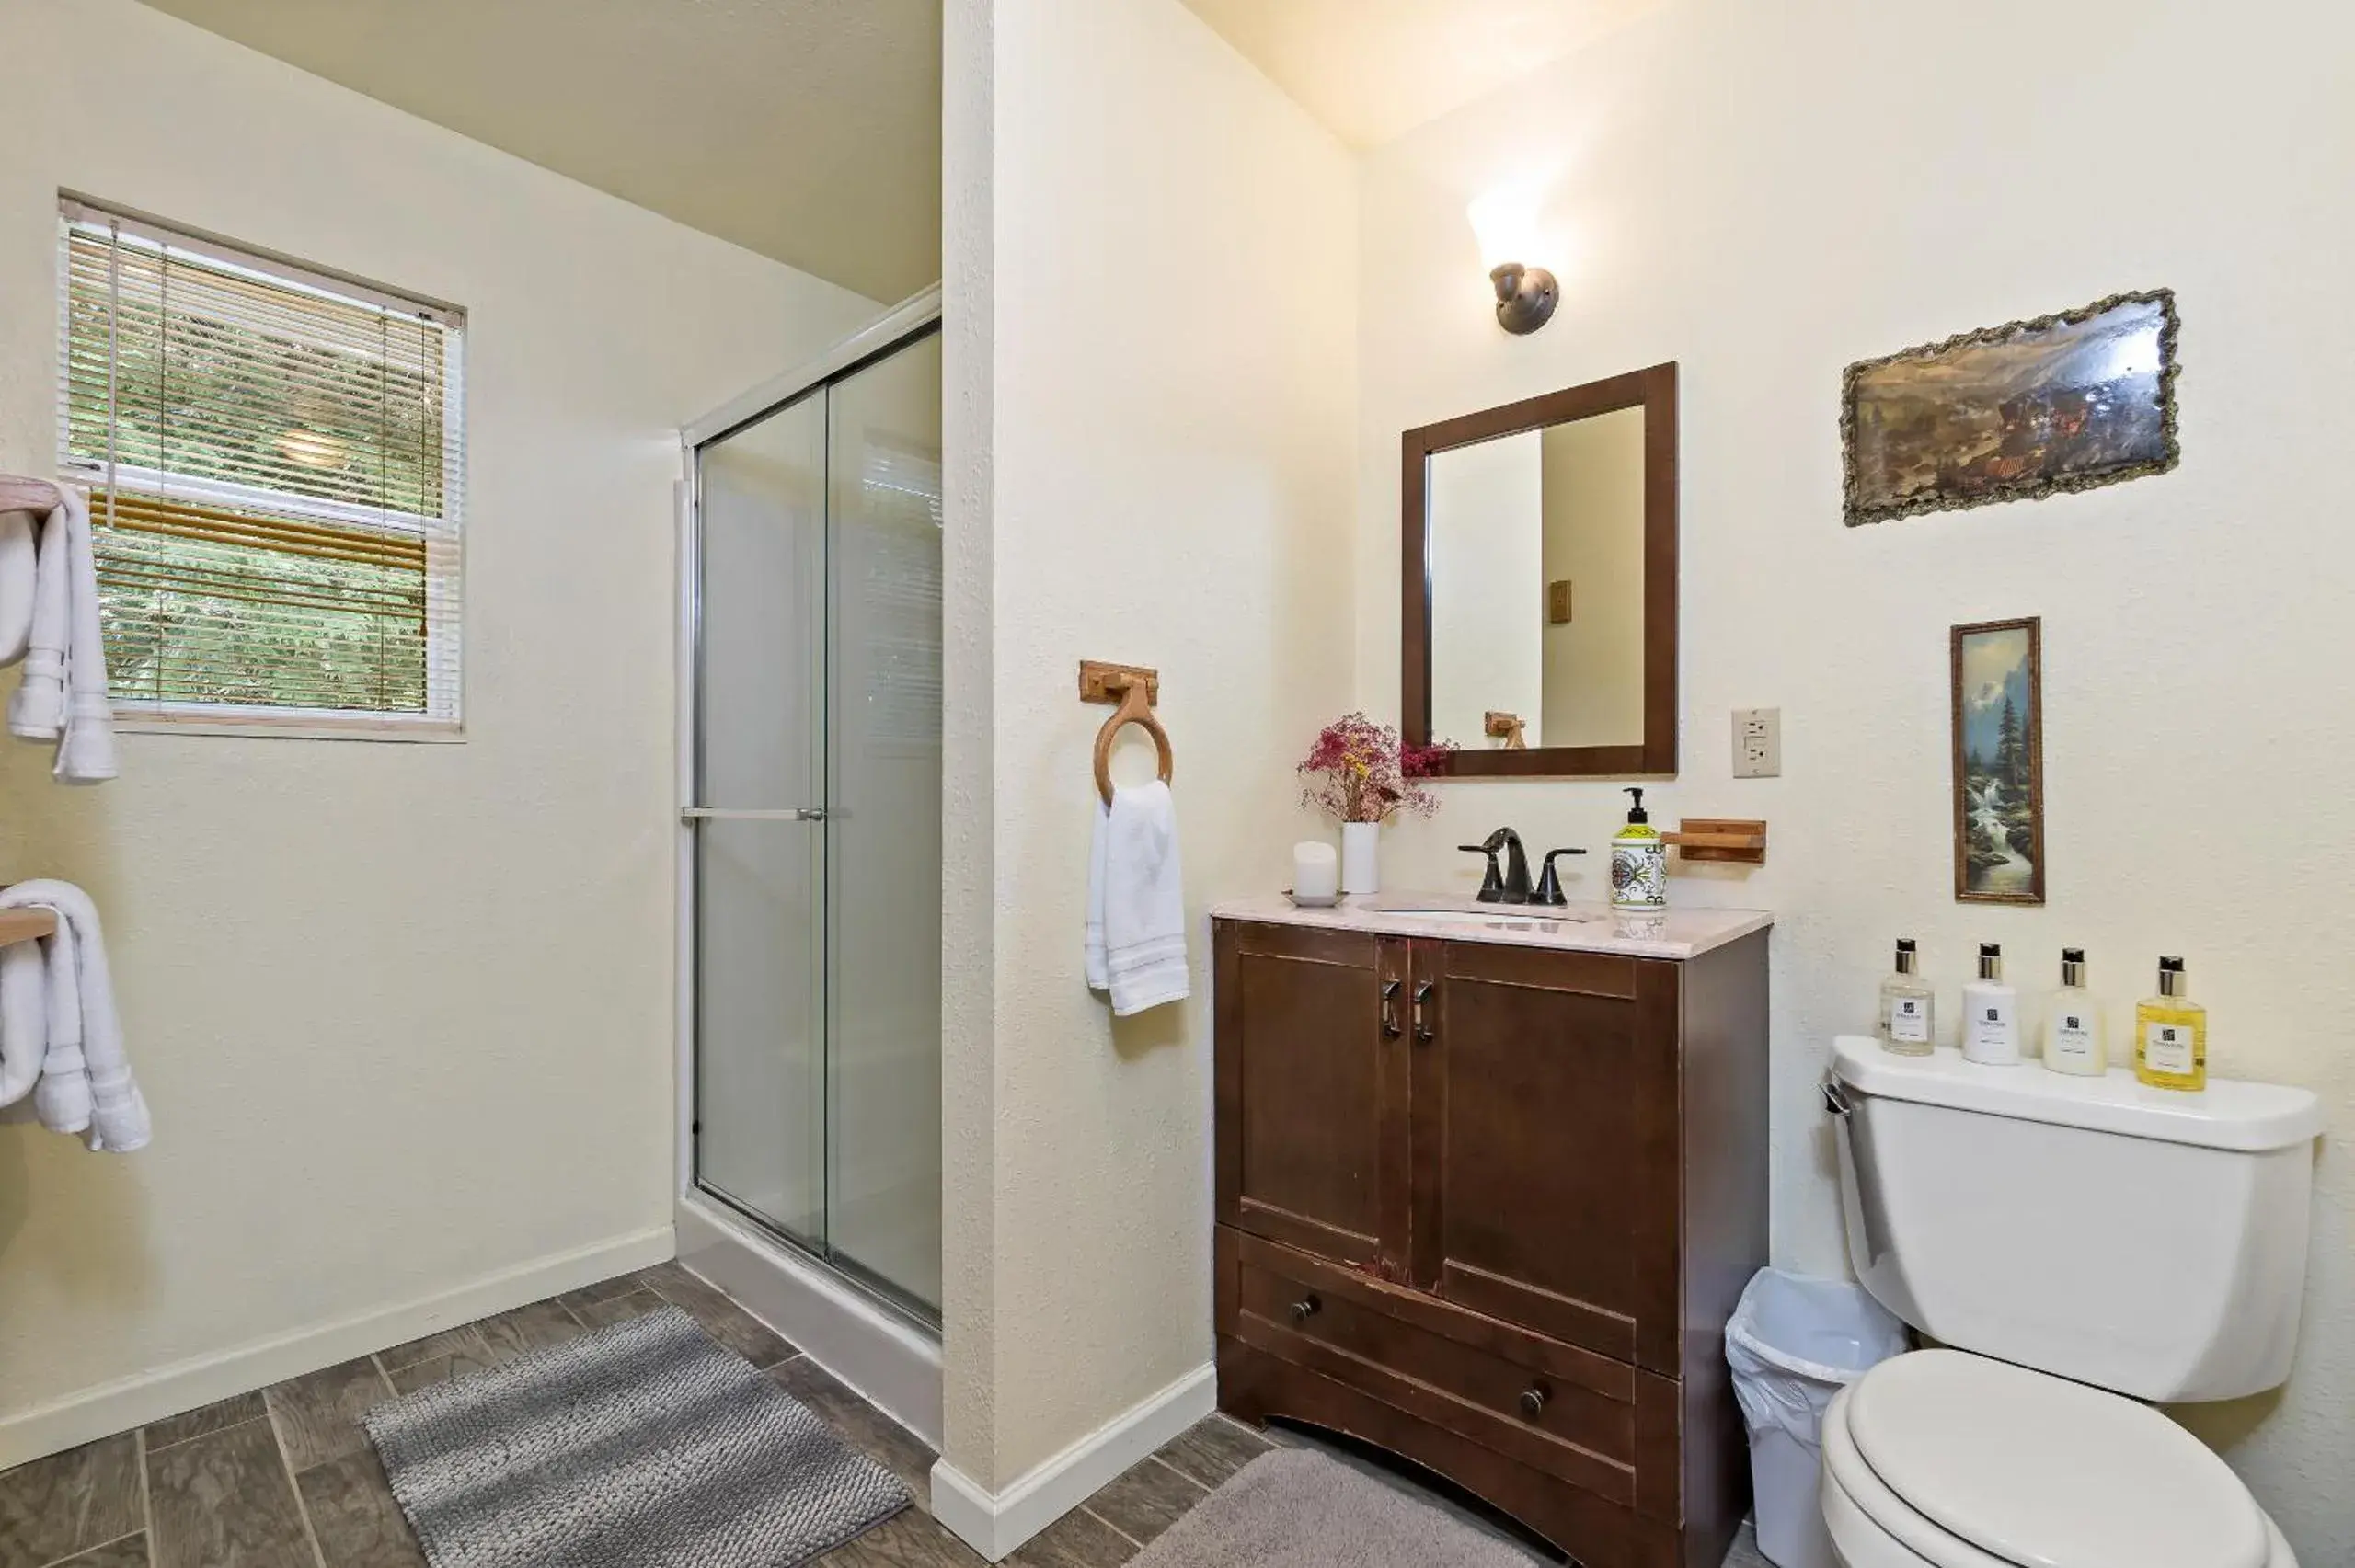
pixel 2231 1115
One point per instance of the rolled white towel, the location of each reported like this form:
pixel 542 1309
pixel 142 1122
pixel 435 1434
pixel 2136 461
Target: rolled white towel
pixel 62 696
pixel 24 1019
pixel 86 1084
pixel 19 569
pixel 37 707
pixel 63 1099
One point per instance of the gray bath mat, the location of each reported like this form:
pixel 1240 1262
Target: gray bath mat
pixel 1292 1508
pixel 642 1446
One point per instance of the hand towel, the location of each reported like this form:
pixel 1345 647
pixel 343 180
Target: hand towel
pixel 37 707
pixel 86 1084
pixel 1136 925
pixel 19 568
pixel 62 696
pixel 86 752
pixel 24 1019
pixel 1099 977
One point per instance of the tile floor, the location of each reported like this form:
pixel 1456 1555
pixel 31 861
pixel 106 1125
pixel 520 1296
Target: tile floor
pixel 285 1478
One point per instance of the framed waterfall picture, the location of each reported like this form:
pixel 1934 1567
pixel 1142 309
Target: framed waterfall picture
pixel 1999 762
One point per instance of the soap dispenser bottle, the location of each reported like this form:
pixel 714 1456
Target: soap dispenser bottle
pixel 1907 1007
pixel 2171 1034
pixel 1990 1013
pixel 2073 1035
pixel 1638 861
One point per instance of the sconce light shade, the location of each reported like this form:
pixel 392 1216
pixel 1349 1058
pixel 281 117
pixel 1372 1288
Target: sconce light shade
pixel 1505 223
pixel 1525 297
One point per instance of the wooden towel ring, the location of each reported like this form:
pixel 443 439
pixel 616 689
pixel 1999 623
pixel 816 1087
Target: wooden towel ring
pixel 1136 707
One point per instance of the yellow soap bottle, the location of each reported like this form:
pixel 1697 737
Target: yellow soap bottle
pixel 2171 1034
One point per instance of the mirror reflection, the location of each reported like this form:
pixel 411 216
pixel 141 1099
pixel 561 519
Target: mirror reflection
pixel 1535 554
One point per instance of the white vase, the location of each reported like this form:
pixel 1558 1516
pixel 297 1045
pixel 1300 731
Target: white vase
pixel 1361 857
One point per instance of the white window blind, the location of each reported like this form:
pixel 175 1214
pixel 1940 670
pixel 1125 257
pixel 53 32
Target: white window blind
pixel 276 461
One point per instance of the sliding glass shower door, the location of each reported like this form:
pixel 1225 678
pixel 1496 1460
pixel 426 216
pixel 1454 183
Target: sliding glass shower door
pixel 816 820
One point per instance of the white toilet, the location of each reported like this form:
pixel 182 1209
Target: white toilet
pixel 2066 1236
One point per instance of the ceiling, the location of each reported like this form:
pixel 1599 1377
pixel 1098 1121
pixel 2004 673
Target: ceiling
pixel 1372 69
pixel 806 130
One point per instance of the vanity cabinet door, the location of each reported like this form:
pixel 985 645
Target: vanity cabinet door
pixel 1312 1107
pixel 1545 1144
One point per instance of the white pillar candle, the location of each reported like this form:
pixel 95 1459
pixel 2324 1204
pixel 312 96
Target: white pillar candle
pixel 1315 872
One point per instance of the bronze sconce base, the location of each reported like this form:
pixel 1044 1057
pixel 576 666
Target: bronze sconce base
pixel 1525 297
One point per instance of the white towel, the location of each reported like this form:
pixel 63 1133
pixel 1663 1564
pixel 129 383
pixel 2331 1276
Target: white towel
pixel 1136 901
pixel 18 570
pixel 64 694
pixel 85 1084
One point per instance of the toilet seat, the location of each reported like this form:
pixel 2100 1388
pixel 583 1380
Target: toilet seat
pixel 1944 1460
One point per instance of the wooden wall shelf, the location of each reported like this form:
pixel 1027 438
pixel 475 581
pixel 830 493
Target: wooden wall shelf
pixel 25 926
pixel 1738 841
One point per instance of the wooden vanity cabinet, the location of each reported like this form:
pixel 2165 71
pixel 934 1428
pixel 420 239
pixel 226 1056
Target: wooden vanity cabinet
pixel 1489 1206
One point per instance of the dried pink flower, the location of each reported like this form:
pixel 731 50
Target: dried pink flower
pixel 1361 772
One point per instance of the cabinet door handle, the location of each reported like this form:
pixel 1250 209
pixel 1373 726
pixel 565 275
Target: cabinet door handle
pixel 1423 1027
pixel 1390 1010
pixel 1306 1308
pixel 1532 1401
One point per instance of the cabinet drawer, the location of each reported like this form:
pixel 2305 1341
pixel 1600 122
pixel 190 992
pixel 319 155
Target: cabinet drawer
pixel 1561 1410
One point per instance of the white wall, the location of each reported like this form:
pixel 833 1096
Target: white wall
pixel 403 1011
pixel 1150 297
pixel 1766 193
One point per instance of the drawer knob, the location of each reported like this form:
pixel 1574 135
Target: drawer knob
pixel 1306 1308
pixel 1532 1403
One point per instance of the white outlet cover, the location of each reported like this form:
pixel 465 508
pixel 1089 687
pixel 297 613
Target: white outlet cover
pixel 1757 743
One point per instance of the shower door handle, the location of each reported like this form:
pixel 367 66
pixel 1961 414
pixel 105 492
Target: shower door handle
pixel 785 814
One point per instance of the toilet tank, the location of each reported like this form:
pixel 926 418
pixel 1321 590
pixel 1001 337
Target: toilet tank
pixel 2140 1240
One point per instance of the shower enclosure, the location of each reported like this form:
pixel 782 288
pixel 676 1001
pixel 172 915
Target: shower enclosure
pixel 811 833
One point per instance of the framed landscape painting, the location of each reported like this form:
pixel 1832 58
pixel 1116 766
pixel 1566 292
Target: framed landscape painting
pixel 1999 762
pixel 2018 412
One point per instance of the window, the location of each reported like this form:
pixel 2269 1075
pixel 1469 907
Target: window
pixel 276 461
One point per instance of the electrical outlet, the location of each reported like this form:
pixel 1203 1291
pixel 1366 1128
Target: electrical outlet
pixel 1758 743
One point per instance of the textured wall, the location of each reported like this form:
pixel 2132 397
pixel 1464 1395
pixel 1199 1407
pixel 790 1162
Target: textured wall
pixel 1765 193
pixel 1156 335
pixel 403 1011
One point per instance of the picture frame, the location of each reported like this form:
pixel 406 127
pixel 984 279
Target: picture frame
pixel 1997 678
pixel 2071 400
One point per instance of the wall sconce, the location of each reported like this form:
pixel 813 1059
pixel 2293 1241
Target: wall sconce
pixel 1506 225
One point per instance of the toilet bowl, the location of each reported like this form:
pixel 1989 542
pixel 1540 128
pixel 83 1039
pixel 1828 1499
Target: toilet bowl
pixel 1940 1458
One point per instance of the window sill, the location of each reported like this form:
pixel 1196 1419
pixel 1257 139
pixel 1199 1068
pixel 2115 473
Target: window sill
pixel 284 725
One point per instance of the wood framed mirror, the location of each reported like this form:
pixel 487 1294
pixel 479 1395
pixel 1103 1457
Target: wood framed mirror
pixel 1539 583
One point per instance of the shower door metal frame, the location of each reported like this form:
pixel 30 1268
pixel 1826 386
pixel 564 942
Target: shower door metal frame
pixel 903 325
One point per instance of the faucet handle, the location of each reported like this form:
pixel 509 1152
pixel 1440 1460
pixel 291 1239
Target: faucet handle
pixel 1492 886
pixel 1549 887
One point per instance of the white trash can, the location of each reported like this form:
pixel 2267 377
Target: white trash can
pixel 1793 1343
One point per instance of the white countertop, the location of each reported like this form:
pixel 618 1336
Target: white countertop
pixel 1577 928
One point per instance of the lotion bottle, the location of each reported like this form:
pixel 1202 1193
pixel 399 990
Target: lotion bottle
pixel 1638 861
pixel 2073 1033
pixel 2171 1034
pixel 1907 1007
pixel 1990 1013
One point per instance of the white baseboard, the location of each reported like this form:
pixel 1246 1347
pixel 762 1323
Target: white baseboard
pixel 887 1360
pixel 166 1390
pixel 995 1525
